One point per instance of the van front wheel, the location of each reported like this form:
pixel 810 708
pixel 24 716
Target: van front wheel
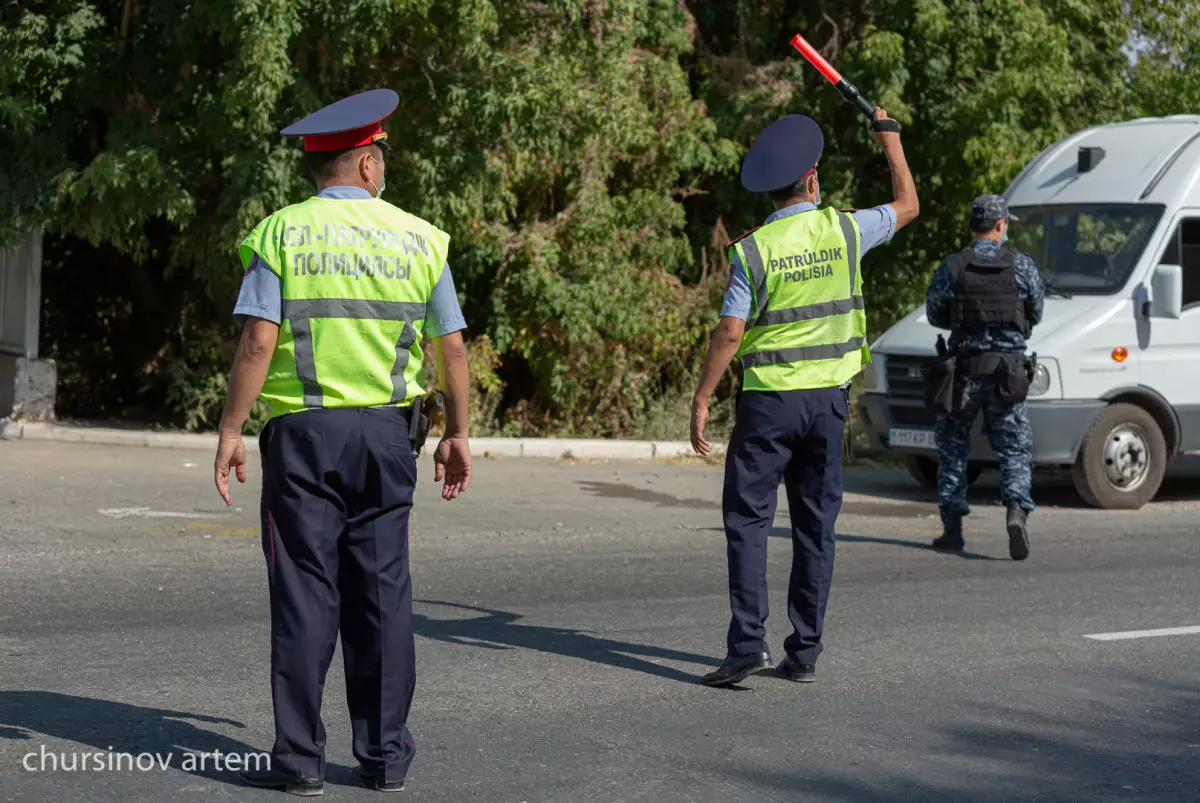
pixel 1122 459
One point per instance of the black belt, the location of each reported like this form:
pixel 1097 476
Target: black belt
pixel 985 363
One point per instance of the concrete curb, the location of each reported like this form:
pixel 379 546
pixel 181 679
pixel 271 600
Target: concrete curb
pixel 554 448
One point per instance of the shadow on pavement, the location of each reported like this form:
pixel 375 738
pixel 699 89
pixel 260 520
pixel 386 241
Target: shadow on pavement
pixel 1140 745
pixel 784 532
pixel 615 490
pixel 117 727
pixel 500 630
pixel 109 726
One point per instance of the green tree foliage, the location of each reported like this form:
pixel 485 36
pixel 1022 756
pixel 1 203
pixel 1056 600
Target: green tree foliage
pixel 583 155
pixel 980 87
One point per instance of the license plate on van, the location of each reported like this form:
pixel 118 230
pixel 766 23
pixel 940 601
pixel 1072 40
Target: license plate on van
pixel 912 439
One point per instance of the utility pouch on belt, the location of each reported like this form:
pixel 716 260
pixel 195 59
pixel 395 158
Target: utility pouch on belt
pixel 424 409
pixel 1013 378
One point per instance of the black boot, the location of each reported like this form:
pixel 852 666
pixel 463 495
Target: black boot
pixel 1018 531
pixel 951 538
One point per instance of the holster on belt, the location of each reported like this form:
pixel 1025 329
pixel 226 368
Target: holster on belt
pixel 938 376
pixel 421 414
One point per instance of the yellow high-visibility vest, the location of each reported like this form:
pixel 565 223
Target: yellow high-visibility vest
pixel 808 323
pixel 355 277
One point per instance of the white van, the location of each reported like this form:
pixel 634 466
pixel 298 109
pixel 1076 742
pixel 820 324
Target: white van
pixel 1111 215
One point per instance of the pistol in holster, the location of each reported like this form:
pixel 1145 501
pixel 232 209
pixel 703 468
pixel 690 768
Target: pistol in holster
pixel 420 418
pixel 938 378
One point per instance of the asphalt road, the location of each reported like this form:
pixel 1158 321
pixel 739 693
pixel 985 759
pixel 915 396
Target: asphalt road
pixel 566 612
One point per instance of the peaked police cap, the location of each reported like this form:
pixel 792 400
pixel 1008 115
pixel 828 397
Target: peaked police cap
pixel 349 123
pixel 786 151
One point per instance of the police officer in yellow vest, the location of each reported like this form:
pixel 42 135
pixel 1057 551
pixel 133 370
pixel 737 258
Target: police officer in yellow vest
pixel 338 293
pixel 794 314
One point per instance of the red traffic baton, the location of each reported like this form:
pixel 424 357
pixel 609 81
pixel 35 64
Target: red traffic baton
pixel 848 90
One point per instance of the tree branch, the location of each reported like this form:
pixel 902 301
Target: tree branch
pixel 126 17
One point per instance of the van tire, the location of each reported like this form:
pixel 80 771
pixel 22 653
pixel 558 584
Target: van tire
pixel 1124 446
pixel 925 470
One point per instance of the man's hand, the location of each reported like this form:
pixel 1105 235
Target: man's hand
pixel 884 138
pixel 699 419
pixel 452 461
pixel 231 453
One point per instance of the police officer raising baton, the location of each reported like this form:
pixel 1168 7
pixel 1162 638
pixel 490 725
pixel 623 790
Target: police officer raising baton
pixel 794 314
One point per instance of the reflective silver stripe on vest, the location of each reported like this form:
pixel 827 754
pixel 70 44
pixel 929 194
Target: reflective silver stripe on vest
pixel 300 313
pixel 810 312
pixel 758 359
pixel 813 311
pixel 758 271
pixel 851 247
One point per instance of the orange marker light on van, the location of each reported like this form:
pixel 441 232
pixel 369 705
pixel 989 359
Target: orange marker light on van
pixel 1120 354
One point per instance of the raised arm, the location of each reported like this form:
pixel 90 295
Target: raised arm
pixel 904 191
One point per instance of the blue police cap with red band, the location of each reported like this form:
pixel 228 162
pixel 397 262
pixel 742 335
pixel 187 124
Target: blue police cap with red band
pixel 786 151
pixel 349 123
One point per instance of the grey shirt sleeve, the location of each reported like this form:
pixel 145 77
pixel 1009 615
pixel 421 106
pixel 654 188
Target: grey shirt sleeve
pixel 443 315
pixel 260 296
pixel 876 225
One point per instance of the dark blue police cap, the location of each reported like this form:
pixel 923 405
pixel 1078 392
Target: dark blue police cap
pixel 785 152
pixel 350 123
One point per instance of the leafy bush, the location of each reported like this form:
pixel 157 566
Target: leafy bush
pixel 583 155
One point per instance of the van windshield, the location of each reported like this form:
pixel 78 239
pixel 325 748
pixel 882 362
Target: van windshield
pixel 1088 249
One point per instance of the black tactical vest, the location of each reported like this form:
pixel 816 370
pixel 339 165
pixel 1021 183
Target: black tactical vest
pixel 985 292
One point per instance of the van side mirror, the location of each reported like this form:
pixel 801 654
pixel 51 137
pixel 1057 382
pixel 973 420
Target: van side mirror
pixel 1166 292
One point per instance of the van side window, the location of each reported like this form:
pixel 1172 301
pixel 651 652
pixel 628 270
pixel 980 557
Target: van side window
pixel 1189 258
pixel 1184 250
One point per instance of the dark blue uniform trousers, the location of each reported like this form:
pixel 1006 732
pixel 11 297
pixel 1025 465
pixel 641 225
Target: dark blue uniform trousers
pixel 337 492
pixel 794 436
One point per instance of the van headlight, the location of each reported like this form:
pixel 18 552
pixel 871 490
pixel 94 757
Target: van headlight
pixel 875 375
pixel 1041 380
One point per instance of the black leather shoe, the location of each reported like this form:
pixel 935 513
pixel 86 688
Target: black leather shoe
pixel 285 782
pixel 951 538
pixel 374 780
pixel 737 668
pixel 796 671
pixel 1018 531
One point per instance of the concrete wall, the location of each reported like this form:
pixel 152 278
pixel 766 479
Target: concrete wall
pixel 21 297
pixel 27 384
pixel 27 388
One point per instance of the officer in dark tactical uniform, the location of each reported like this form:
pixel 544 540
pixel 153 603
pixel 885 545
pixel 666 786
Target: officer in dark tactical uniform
pixel 990 297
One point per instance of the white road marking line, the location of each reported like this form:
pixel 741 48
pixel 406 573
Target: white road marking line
pixel 147 513
pixel 1128 634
